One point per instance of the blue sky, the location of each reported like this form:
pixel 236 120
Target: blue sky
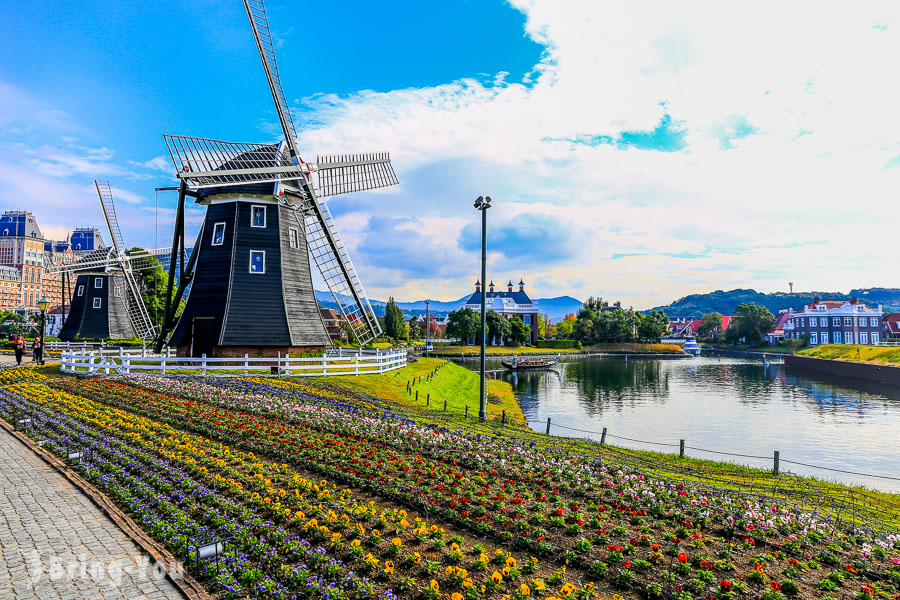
pixel 637 154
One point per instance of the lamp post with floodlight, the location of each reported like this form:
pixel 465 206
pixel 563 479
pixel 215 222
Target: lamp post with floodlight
pixel 482 204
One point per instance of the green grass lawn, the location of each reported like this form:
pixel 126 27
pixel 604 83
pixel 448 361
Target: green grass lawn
pixel 881 355
pixel 457 385
pixel 636 348
pixel 499 350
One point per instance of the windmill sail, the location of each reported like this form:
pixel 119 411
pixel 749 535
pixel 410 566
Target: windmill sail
pixel 345 173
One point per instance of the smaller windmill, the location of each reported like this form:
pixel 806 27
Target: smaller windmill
pixel 107 300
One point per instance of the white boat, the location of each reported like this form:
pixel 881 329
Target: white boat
pixel 691 346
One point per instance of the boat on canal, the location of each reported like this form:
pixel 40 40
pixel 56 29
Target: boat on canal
pixel 691 346
pixel 541 362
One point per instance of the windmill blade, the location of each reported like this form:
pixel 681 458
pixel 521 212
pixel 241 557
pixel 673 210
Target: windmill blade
pixel 204 163
pixel 94 260
pixel 135 307
pixel 333 261
pixel 256 12
pixel 109 211
pixel 345 173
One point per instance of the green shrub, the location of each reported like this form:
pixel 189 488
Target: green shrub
pixel 558 344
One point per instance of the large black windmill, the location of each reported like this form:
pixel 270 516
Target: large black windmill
pixel 106 298
pixel 250 275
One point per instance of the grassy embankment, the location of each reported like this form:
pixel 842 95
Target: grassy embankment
pixel 457 385
pixel 880 355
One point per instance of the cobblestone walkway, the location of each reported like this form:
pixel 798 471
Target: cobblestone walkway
pixel 55 543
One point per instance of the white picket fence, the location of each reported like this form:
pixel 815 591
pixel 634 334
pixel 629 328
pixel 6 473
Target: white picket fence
pixel 124 362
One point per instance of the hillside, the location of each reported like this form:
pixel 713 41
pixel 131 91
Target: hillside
pixel 696 305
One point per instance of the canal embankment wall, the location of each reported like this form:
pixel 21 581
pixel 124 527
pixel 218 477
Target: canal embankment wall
pixel 885 374
pixel 739 353
pixel 565 356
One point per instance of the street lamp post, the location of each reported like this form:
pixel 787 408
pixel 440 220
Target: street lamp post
pixel 43 303
pixel 427 302
pixel 483 204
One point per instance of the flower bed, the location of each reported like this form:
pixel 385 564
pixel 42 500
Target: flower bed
pixel 603 523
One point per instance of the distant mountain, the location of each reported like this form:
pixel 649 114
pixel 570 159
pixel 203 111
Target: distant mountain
pixel 555 308
pixel 697 305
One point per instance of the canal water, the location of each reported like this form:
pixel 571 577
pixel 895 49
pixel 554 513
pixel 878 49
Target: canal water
pixel 739 406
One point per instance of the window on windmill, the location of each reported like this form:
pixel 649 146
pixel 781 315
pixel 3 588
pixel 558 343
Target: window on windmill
pixel 98 302
pixel 258 216
pixel 218 234
pixel 81 290
pixel 294 237
pixel 98 282
pixel 257 261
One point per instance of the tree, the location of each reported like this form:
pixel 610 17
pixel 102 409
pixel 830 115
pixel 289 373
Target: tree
pixel 153 284
pixel 711 324
pixel 754 322
pixel 463 323
pixel 519 330
pixel 497 325
pixel 394 326
pixel 565 327
pixel 414 330
pixel 651 328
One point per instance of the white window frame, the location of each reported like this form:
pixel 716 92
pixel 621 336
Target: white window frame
pixel 849 334
pixel 824 337
pixel 98 303
pixel 836 321
pixel 98 283
pixel 848 320
pixel 813 322
pixel 253 208
pixel 873 321
pixel 864 337
pixel 837 337
pixel 293 237
pixel 875 341
pixel 813 339
pixel 81 290
pixel 250 266
pixel 215 229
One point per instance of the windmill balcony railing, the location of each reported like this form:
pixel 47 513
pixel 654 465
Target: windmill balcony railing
pixel 337 362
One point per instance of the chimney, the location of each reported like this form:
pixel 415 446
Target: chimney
pixel 816 299
pixel 853 299
pixel 618 304
pixel 521 285
pixel 509 286
pixel 491 287
pixel 478 286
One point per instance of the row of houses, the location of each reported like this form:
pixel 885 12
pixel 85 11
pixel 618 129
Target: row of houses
pixel 821 321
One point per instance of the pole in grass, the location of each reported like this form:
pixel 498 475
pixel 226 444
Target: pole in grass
pixel 775 465
pixel 482 204
pixel 681 448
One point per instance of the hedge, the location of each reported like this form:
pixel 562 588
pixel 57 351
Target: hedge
pixel 559 344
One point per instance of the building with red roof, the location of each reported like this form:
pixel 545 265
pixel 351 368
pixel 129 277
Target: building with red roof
pixel 835 322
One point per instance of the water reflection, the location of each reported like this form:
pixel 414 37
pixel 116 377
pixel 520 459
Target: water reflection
pixel 732 405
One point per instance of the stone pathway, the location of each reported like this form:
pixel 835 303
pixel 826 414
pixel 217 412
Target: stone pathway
pixel 55 543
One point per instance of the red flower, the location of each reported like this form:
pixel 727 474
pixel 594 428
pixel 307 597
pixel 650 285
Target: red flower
pixel 725 585
pixel 775 586
pixel 682 558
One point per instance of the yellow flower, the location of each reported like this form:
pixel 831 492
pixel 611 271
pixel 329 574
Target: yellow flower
pixel 434 585
pixel 454 547
pixel 617 597
pixel 496 577
pixel 335 537
pixel 483 557
pixel 526 591
pixel 567 590
pixel 397 542
pixel 449 570
pixel 434 529
pixel 417 558
pixel 404 523
pixel 355 543
pixel 456 596
pixel 511 562
pixel 498 552
pixel 467 582
pixel 388 567
pixel 506 571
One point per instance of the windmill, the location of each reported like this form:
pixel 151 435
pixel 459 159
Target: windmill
pixel 107 301
pixel 266 219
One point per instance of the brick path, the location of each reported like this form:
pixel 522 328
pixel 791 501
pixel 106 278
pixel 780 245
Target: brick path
pixel 55 543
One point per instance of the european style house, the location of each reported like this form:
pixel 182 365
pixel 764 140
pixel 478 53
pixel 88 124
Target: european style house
pixel 835 322
pixel 509 304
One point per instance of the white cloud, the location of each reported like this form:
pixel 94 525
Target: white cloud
pixel 806 103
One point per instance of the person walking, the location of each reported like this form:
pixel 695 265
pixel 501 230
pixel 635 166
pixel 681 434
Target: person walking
pixel 37 348
pixel 19 347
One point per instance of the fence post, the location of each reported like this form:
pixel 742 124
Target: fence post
pixel 246 365
pixel 467 411
pixel 445 405
pixel 325 364
pixel 203 364
pixel 504 415
pixel 417 395
pixel 681 448
pixel 603 437
pixel 163 364
pixel 548 425
pixel 428 400
pixel 775 465
pixel 278 365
